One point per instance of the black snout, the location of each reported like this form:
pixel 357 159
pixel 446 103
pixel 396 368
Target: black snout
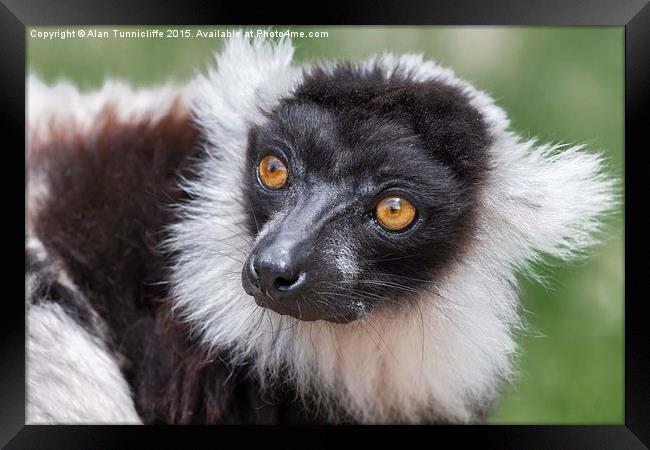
pixel 276 274
pixel 286 269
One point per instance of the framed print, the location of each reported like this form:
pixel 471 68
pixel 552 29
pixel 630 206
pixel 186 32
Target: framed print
pixel 400 221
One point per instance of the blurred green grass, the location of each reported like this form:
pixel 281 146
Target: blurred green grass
pixel 559 84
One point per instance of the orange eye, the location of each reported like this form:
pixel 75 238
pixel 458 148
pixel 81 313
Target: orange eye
pixel 395 213
pixel 272 172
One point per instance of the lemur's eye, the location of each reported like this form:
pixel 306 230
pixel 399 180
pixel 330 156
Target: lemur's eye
pixel 395 213
pixel 272 172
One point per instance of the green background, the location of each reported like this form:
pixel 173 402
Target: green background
pixel 559 84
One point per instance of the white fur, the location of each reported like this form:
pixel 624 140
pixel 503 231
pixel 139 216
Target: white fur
pixel 71 377
pixel 65 105
pixel 439 360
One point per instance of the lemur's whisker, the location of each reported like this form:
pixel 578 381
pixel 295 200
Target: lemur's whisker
pixel 252 210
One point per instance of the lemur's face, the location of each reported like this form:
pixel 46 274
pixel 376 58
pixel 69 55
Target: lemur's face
pixel 361 192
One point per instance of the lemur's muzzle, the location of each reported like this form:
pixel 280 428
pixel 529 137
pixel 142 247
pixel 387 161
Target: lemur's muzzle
pixel 282 270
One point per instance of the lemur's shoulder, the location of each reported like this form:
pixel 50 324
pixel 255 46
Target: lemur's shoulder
pixel 101 168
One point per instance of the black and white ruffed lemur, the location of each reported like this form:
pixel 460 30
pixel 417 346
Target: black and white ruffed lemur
pixel 331 243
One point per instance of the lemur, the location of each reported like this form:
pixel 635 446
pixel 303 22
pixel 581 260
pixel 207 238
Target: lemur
pixel 332 242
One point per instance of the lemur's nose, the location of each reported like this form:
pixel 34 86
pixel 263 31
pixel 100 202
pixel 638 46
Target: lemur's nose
pixel 277 276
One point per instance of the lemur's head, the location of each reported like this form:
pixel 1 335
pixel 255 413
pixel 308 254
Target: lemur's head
pixel 356 229
pixel 362 189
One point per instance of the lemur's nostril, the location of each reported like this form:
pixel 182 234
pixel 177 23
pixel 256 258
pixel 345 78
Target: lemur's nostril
pixel 285 284
pixel 282 284
pixel 276 273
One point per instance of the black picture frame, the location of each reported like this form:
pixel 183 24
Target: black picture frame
pixel 634 15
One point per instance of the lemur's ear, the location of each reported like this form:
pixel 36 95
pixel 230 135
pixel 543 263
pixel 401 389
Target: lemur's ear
pixel 249 76
pixel 545 199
